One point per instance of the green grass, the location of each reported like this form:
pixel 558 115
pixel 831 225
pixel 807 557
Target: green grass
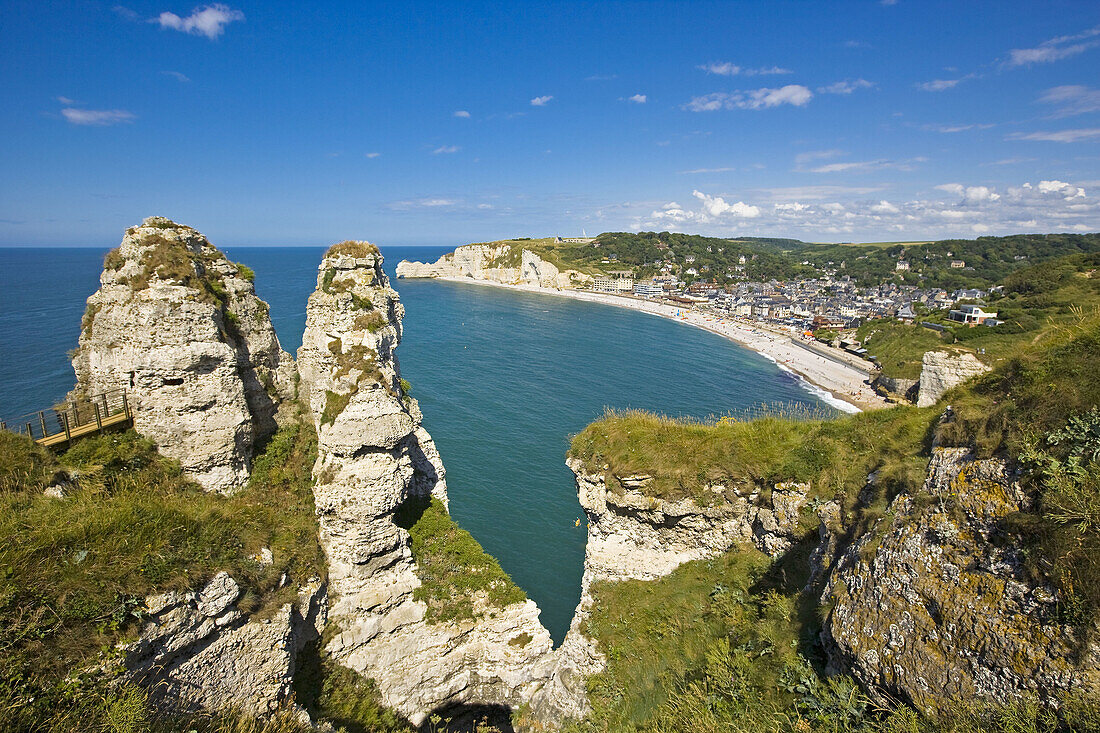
pixel 459 581
pixel 833 456
pixel 899 347
pixel 1037 300
pixel 74 572
pixel 730 644
pixel 352 249
pixel 334 405
pixel 334 693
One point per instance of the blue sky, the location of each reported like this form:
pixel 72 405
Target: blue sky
pixel 442 123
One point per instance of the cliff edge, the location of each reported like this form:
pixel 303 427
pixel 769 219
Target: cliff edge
pixel 509 264
pixel 433 636
pixel 179 327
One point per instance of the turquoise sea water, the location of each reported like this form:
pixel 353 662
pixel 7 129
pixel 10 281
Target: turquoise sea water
pixel 503 378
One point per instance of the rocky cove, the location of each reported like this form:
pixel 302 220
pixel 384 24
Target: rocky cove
pixel 913 596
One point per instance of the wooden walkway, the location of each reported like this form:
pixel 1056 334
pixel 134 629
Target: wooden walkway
pixel 60 426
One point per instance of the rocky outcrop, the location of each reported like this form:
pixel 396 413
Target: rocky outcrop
pixel 633 535
pixel 179 327
pixel 374 458
pixel 934 602
pixel 941 370
pixel 906 388
pixel 199 652
pixel 502 263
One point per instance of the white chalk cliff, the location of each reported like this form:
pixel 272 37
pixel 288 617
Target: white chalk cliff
pixel 941 370
pixel 374 457
pixel 179 327
pixel 633 535
pixel 502 263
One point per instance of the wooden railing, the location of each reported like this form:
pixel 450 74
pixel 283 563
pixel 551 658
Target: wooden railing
pixel 66 422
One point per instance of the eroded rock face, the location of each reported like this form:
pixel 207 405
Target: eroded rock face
pixel 373 456
pixel 932 604
pixel 633 536
pixel 940 371
pixel 505 263
pixel 180 328
pixel 198 652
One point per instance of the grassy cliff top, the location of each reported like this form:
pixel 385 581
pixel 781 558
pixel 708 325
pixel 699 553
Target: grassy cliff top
pixel 459 580
pixel 1036 302
pixel 76 570
pixel 352 248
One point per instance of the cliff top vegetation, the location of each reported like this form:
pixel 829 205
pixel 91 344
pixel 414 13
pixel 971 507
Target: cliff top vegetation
pixel 1035 301
pixel 459 580
pixel 987 260
pixel 352 248
pixel 731 643
pixel 75 571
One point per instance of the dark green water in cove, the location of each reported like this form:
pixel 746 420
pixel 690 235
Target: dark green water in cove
pixel 503 378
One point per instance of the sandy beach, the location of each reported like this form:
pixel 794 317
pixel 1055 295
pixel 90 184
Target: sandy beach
pixel 838 384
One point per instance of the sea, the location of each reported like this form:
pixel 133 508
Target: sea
pixel 504 379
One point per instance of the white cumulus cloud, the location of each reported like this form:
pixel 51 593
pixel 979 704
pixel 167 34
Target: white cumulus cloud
pixel 1058 136
pixel 446 149
pixel 463 114
pixel 717 206
pixel 1068 191
pixel 209 21
pixel 725 68
pixel 836 213
pixel 100 117
pixel 1055 49
pixel 637 99
pixel 845 87
pixel 970 194
pixel 541 101
pixel 793 94
pixel 1072 99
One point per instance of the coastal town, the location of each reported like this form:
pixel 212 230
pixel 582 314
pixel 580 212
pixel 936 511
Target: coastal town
pixel 826 304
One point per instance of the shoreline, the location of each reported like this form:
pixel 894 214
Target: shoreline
pixel 836 384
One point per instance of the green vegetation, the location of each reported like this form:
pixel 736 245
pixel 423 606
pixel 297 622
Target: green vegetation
pixel 899 347
pixel 334 405
pixel 332 692
pixel 245 272
pixel 988 259
pixel 730 644
pixel 113 260
pixel 1035 302
pixel 833 456
pixel 372 321
pixel 714 257
pixel 74 571
pixel 352 249
pixel 458 579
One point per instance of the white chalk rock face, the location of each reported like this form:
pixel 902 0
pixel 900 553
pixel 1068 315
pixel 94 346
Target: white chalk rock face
pixel 198 652
pixel 937 600
pixel 940 371
pixel 502 263
pixel 179 327
pixel 636 535
pixel 374 458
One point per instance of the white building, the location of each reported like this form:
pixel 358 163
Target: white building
pixel 614 284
